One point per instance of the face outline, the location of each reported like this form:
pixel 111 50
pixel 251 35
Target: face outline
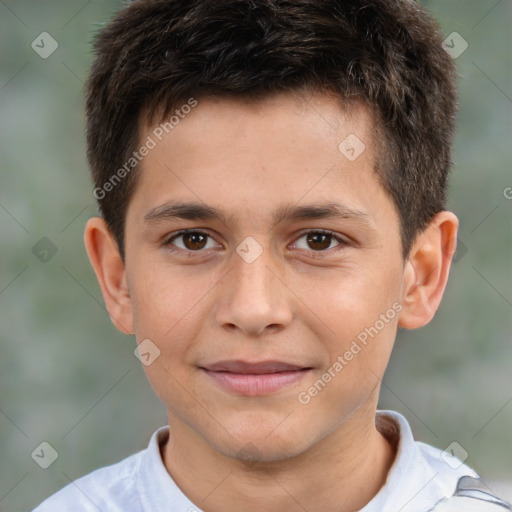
pixel 248 160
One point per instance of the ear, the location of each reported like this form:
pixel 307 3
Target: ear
pixel 110 271
pixel 426 270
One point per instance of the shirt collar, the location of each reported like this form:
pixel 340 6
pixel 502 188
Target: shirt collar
pixel 157 489
pixel 419 477
pixel 412 483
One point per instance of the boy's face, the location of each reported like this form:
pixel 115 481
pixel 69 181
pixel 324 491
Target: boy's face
pixel 286 295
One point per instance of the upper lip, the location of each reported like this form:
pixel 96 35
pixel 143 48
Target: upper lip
pixel 244 367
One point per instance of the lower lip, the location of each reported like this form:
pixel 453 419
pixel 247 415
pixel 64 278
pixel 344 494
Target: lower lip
pixel 256 384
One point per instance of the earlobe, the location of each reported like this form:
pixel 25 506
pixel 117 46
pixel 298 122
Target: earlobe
pixel 110 272
pixel 427 269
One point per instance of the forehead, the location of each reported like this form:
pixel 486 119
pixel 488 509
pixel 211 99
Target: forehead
pixel 321 113
pixel 261 156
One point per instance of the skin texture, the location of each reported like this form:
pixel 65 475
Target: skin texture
pixel 229 452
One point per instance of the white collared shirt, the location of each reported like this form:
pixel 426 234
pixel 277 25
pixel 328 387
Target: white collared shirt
pixel 420 477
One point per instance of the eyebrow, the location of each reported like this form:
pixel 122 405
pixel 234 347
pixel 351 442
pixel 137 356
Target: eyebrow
pixel 289 212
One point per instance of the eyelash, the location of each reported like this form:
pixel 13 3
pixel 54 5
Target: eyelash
pixel 313 254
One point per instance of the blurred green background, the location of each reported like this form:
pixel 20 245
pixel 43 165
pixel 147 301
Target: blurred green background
pixel 69 378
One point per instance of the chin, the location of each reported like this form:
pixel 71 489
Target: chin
pixel 264 440
pixel 253 451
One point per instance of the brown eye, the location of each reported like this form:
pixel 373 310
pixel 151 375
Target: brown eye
pixel 193 241
pixel 319 241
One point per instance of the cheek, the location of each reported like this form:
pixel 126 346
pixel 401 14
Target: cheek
pixel 347 302
pixel 165 302
pixel 358 342
pixel 167 309
pixel 356 319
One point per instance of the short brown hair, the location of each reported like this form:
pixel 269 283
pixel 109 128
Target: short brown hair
pixel 157 54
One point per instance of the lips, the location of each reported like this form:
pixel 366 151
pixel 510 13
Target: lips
pixel 255 379
pixel 260 368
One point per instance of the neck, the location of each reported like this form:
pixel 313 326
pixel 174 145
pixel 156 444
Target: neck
pixel 341 473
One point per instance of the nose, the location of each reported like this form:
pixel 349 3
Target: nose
pixel 254 298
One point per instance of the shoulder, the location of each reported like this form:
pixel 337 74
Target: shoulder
pixel 472 495
pixel 448 463
pixel 110 488
pixel 420 475
pixel 139 483
pixel 424 477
